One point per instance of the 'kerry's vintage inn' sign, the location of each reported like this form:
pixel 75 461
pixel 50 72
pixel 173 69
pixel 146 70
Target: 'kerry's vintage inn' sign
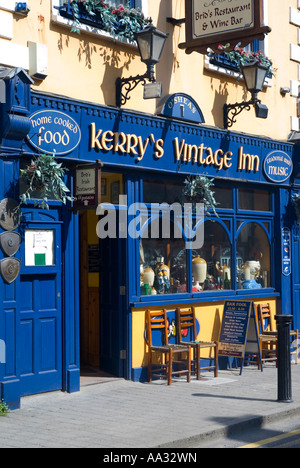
pixel 210 23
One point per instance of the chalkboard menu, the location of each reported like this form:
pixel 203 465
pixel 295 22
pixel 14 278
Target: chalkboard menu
pixel 239 333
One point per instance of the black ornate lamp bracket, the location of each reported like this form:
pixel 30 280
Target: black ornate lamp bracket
pixel 236 109
pixel 129 84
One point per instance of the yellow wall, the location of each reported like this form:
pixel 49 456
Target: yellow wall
pixel 85 66
pixel 208 314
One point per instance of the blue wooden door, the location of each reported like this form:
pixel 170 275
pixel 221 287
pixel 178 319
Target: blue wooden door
pixel 296 276
pixel 40 321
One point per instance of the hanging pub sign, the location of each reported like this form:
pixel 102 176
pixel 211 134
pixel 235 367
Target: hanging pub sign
pixel 87 186
pixel 210 23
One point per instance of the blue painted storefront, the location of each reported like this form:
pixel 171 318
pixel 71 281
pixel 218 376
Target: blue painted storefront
pixel 39 311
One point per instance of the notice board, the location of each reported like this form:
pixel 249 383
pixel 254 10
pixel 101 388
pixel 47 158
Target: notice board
pixel 239 333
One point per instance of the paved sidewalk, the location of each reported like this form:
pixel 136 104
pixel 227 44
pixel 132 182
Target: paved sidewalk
pixel 125 414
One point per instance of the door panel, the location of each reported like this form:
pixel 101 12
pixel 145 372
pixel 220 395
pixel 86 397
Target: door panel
pixel 40 324
pixel 296 277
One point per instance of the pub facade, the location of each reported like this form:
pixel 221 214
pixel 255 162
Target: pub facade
pixel 76 285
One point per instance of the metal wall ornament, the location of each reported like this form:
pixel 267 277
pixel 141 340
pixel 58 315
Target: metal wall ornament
pixel 10 242
pixel 10 214
pixel 9 269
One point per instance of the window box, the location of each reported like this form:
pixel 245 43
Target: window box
pixel 120 22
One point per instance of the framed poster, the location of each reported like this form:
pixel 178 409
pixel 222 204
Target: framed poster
pixel 39 247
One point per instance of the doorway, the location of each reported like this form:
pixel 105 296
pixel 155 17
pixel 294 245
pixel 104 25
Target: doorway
pixel 101 310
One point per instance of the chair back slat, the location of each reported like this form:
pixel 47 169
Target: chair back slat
pixel 265 317
pixel 157 320
pixel 186 320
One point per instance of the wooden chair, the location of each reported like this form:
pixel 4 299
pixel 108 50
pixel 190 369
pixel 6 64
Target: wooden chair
pixel 186 322
pixel 157 320
pixel 268 335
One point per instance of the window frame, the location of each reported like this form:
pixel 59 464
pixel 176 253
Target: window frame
pixel 228 219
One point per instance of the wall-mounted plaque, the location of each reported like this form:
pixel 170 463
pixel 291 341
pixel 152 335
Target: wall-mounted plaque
pixel 9 269
pixel 10 242
pixel 210 23
pixel 10 214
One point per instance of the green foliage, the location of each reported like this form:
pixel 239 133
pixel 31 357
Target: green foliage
pixel 241 56
pixel 4 410
pixel 45 176
pixel 199 190
pixel 121 22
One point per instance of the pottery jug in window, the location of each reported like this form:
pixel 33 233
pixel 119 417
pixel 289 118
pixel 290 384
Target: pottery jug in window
pixel 148 276
pixel 199 269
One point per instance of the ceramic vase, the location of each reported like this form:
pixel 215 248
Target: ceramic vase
pixel 199 268
pixel 246 271
pixel 148 276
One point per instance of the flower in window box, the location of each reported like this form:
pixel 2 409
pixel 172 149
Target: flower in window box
pixel 121 22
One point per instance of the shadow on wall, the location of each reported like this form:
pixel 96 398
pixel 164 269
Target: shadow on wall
pixel 113 61
pixel 164 69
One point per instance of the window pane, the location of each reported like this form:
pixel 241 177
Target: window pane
pixel 223 197
pixel 253 258
pixel 162 192
pixel 255 200
pixel 212 263
pixel 112 186
pixel 163 264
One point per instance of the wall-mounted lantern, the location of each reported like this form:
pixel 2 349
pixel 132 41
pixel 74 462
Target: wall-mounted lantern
pixel 254 74
pixel 150 43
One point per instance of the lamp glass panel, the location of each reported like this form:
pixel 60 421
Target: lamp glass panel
pixel 261 75
pixel 144 43
pixel 249 76
pixel 158 45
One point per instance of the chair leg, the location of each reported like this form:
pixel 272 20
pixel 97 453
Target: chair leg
pixel 197 359
pixel 189 364
pixel 216 361
pixel 170 366
pixel 150 366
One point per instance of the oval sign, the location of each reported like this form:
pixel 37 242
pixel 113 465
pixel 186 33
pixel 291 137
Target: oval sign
pixel 278 166
pixel 54 132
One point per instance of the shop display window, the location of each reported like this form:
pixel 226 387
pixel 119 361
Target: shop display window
pixel 253 257
pixel 211 265
pixel 163 265
pixel 236 254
